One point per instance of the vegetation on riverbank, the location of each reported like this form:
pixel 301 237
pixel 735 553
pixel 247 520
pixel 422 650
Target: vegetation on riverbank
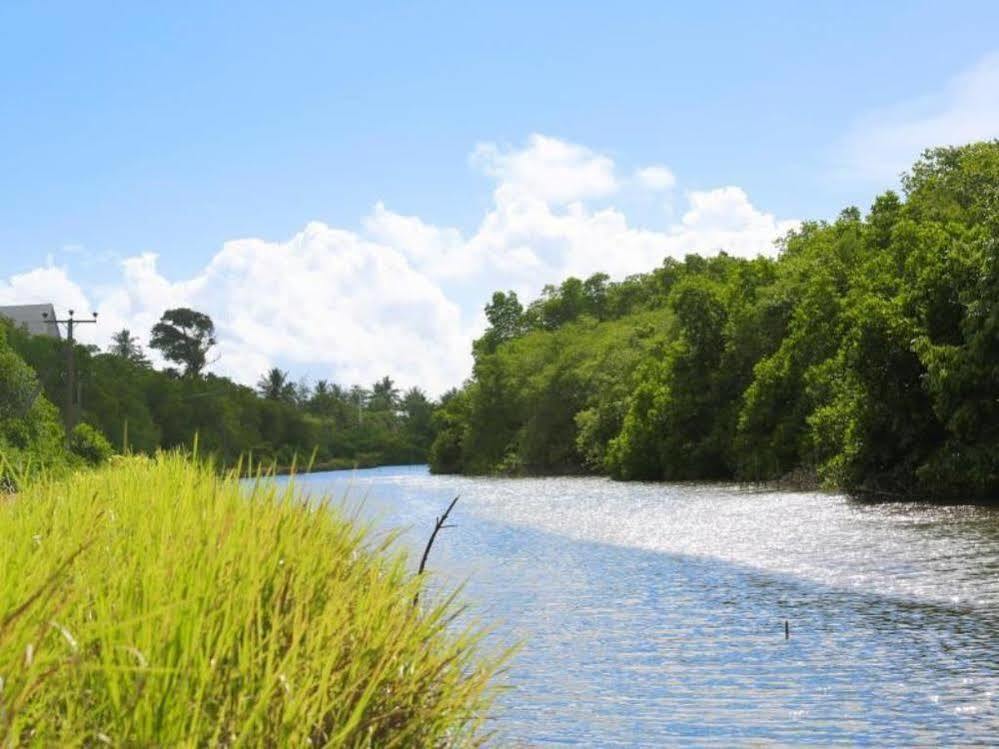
pixel 866 354
pixel 153 602
pixel 141 409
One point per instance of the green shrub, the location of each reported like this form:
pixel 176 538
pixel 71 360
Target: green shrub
pixel 31 434
pixel 153 603
pixel 90 444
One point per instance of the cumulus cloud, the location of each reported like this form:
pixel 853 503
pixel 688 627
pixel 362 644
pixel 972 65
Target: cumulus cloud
pixel 725 219
pixel 325 297
pixel 548 169
pixel 43 285
pixel 883 144
pixel 403 296
pixel 438 250
pixel 655 178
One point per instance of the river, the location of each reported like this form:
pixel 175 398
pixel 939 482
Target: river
pixel 654 614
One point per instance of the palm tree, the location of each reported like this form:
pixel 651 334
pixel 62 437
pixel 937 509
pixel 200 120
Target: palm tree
pixel 384 395
pixel 302 392
pixel 276 386
pixel 321 390
pixel 321 400
pixel 126 346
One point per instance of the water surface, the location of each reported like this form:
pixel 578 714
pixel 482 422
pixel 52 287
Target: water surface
pixel 653 614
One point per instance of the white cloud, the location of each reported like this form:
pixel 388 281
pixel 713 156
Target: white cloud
pixel 883 144
pixel 655 178
pixel 548 169
pixel 325 297
pixel 43 285
pixel 725 219
pixel 440 251
pixel 404 297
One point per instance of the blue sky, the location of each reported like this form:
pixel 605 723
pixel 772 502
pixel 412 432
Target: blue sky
pixel 128 129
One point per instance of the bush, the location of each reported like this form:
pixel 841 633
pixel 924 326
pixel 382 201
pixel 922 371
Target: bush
pixel 153 603
pixel 90 444
pixel 18 384
pixel 31 434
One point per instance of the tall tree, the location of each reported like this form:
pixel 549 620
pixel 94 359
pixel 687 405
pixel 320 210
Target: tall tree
pixel 418 420
pixel 184 336
pixel 126 346
pixel 505 314
pixel 302 393
pixel 275 385
pixel 384 395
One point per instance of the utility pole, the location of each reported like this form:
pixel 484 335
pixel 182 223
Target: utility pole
pixel 72 393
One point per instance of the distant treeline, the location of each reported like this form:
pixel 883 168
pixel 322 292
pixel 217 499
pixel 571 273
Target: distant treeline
pixel 866 357
pixel 142 408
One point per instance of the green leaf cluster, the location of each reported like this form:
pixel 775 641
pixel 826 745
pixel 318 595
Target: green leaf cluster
pixel 31 433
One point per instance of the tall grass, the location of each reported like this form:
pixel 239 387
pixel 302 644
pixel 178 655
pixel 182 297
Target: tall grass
pixel 154 603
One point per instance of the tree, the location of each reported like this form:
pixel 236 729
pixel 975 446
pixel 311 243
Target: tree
pixel 506 320
pixel 418 421
pixel 358 399
pixel 330 401
pixel 563 304
pixel 321 401
pixel 184 336
pixel 384 395
pixel 322 389
pixel 30 429
pixel 302 393
pixel 126 346
pixel 142 409
pixel 275 385
pixel 595 294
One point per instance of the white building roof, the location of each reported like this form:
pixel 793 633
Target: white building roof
pixel 30 317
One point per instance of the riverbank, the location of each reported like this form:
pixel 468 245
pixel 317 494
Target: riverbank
pixel 154 602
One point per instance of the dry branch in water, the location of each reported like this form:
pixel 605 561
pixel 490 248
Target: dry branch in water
pixel 438 524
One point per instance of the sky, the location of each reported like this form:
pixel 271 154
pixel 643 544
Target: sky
pixel 341 186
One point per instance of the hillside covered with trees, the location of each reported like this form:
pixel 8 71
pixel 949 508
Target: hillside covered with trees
pixel 865 356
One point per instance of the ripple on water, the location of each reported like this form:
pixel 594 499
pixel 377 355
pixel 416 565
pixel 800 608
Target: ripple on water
pixel 653 614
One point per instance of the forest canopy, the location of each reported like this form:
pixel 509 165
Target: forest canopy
pixel 864 356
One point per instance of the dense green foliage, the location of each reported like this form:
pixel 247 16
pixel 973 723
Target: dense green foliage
pixel 90 445
pixel 184 336
pixel 153 603
pixel 865 356
pixel 31 434
pixel 138 407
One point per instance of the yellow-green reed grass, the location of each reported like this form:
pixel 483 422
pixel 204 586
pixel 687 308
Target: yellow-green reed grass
pixel 156 603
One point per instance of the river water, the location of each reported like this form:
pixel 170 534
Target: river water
pixel 653 614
